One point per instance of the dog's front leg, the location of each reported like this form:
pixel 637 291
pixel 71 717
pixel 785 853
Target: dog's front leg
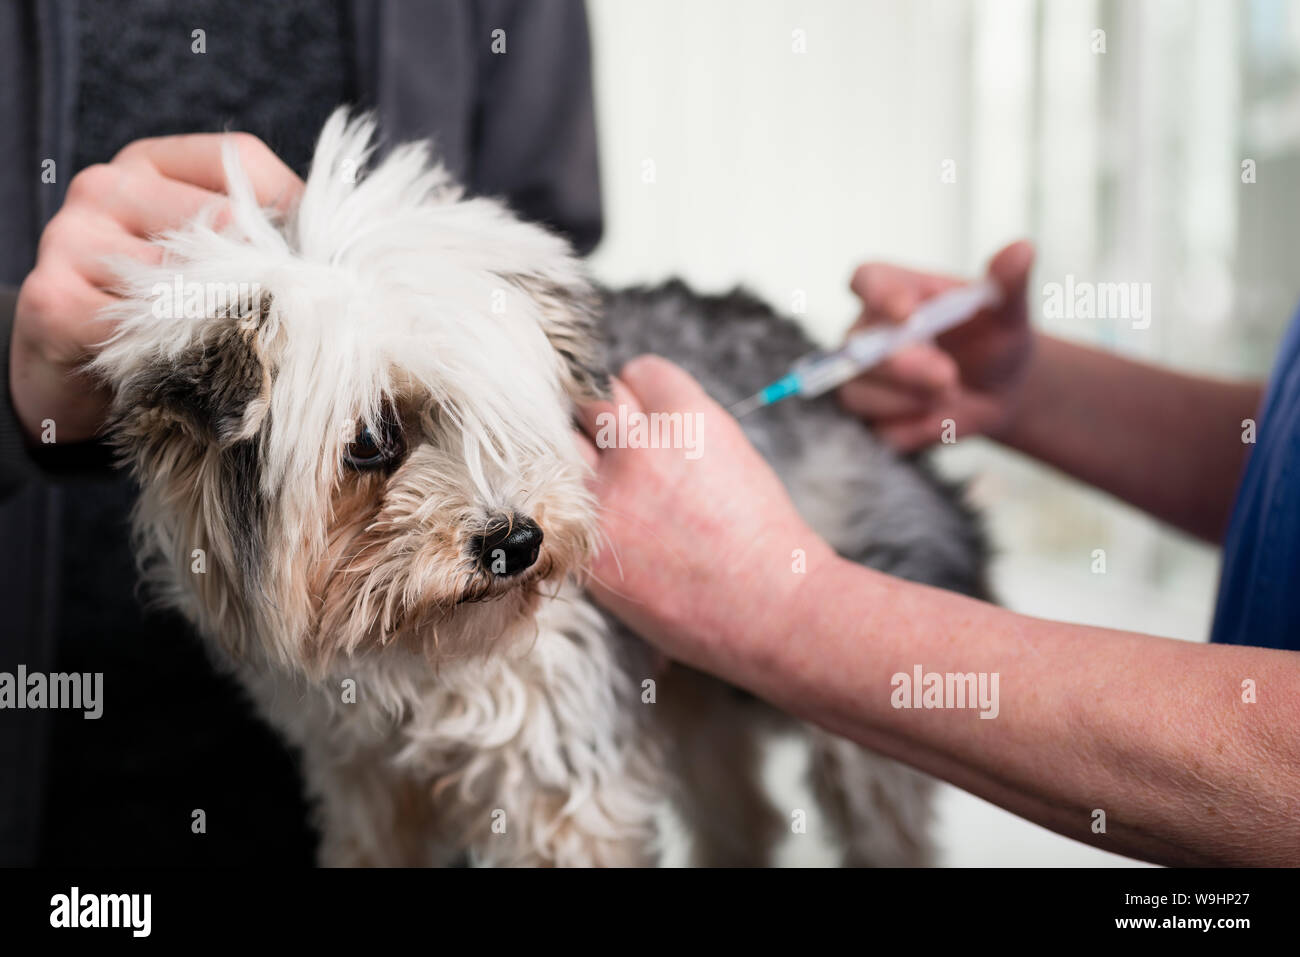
pixel 371 813
pixel 605 822
pixel 564 770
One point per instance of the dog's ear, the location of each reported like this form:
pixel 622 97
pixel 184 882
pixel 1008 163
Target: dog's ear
pixel 215 390
pixel 188 405
pixel 571 321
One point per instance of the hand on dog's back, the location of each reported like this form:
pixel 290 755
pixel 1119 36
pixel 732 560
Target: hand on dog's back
pixel 111 211
pixel 696 552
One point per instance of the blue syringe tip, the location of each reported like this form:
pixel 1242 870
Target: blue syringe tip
pixel 778 390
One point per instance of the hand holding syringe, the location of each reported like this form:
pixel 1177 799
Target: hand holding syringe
pixel 819 372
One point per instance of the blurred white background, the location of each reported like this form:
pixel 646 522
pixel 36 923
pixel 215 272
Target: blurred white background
pixel 779 144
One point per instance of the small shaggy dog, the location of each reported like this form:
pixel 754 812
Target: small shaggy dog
pixel 359 482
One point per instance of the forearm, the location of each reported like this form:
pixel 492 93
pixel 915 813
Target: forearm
pixel 1153 732
pixel 1168 443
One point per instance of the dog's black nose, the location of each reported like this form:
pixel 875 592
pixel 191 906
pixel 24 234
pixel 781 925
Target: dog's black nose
pixel 509 546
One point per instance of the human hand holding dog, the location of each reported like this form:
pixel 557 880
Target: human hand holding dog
pixel 972 374
pixel 111 210
pixel 698 553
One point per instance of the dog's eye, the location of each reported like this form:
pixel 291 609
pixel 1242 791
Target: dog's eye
pixel 375 448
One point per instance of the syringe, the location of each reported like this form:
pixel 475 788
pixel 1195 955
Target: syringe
pixel 819 372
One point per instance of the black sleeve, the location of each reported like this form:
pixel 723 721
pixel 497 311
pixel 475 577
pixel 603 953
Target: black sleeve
pixel 535 128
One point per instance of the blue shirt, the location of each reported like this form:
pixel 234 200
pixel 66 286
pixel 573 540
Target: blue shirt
pixel 1259 592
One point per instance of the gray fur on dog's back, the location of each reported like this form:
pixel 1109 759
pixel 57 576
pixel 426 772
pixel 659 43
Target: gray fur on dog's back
pixel 874 507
